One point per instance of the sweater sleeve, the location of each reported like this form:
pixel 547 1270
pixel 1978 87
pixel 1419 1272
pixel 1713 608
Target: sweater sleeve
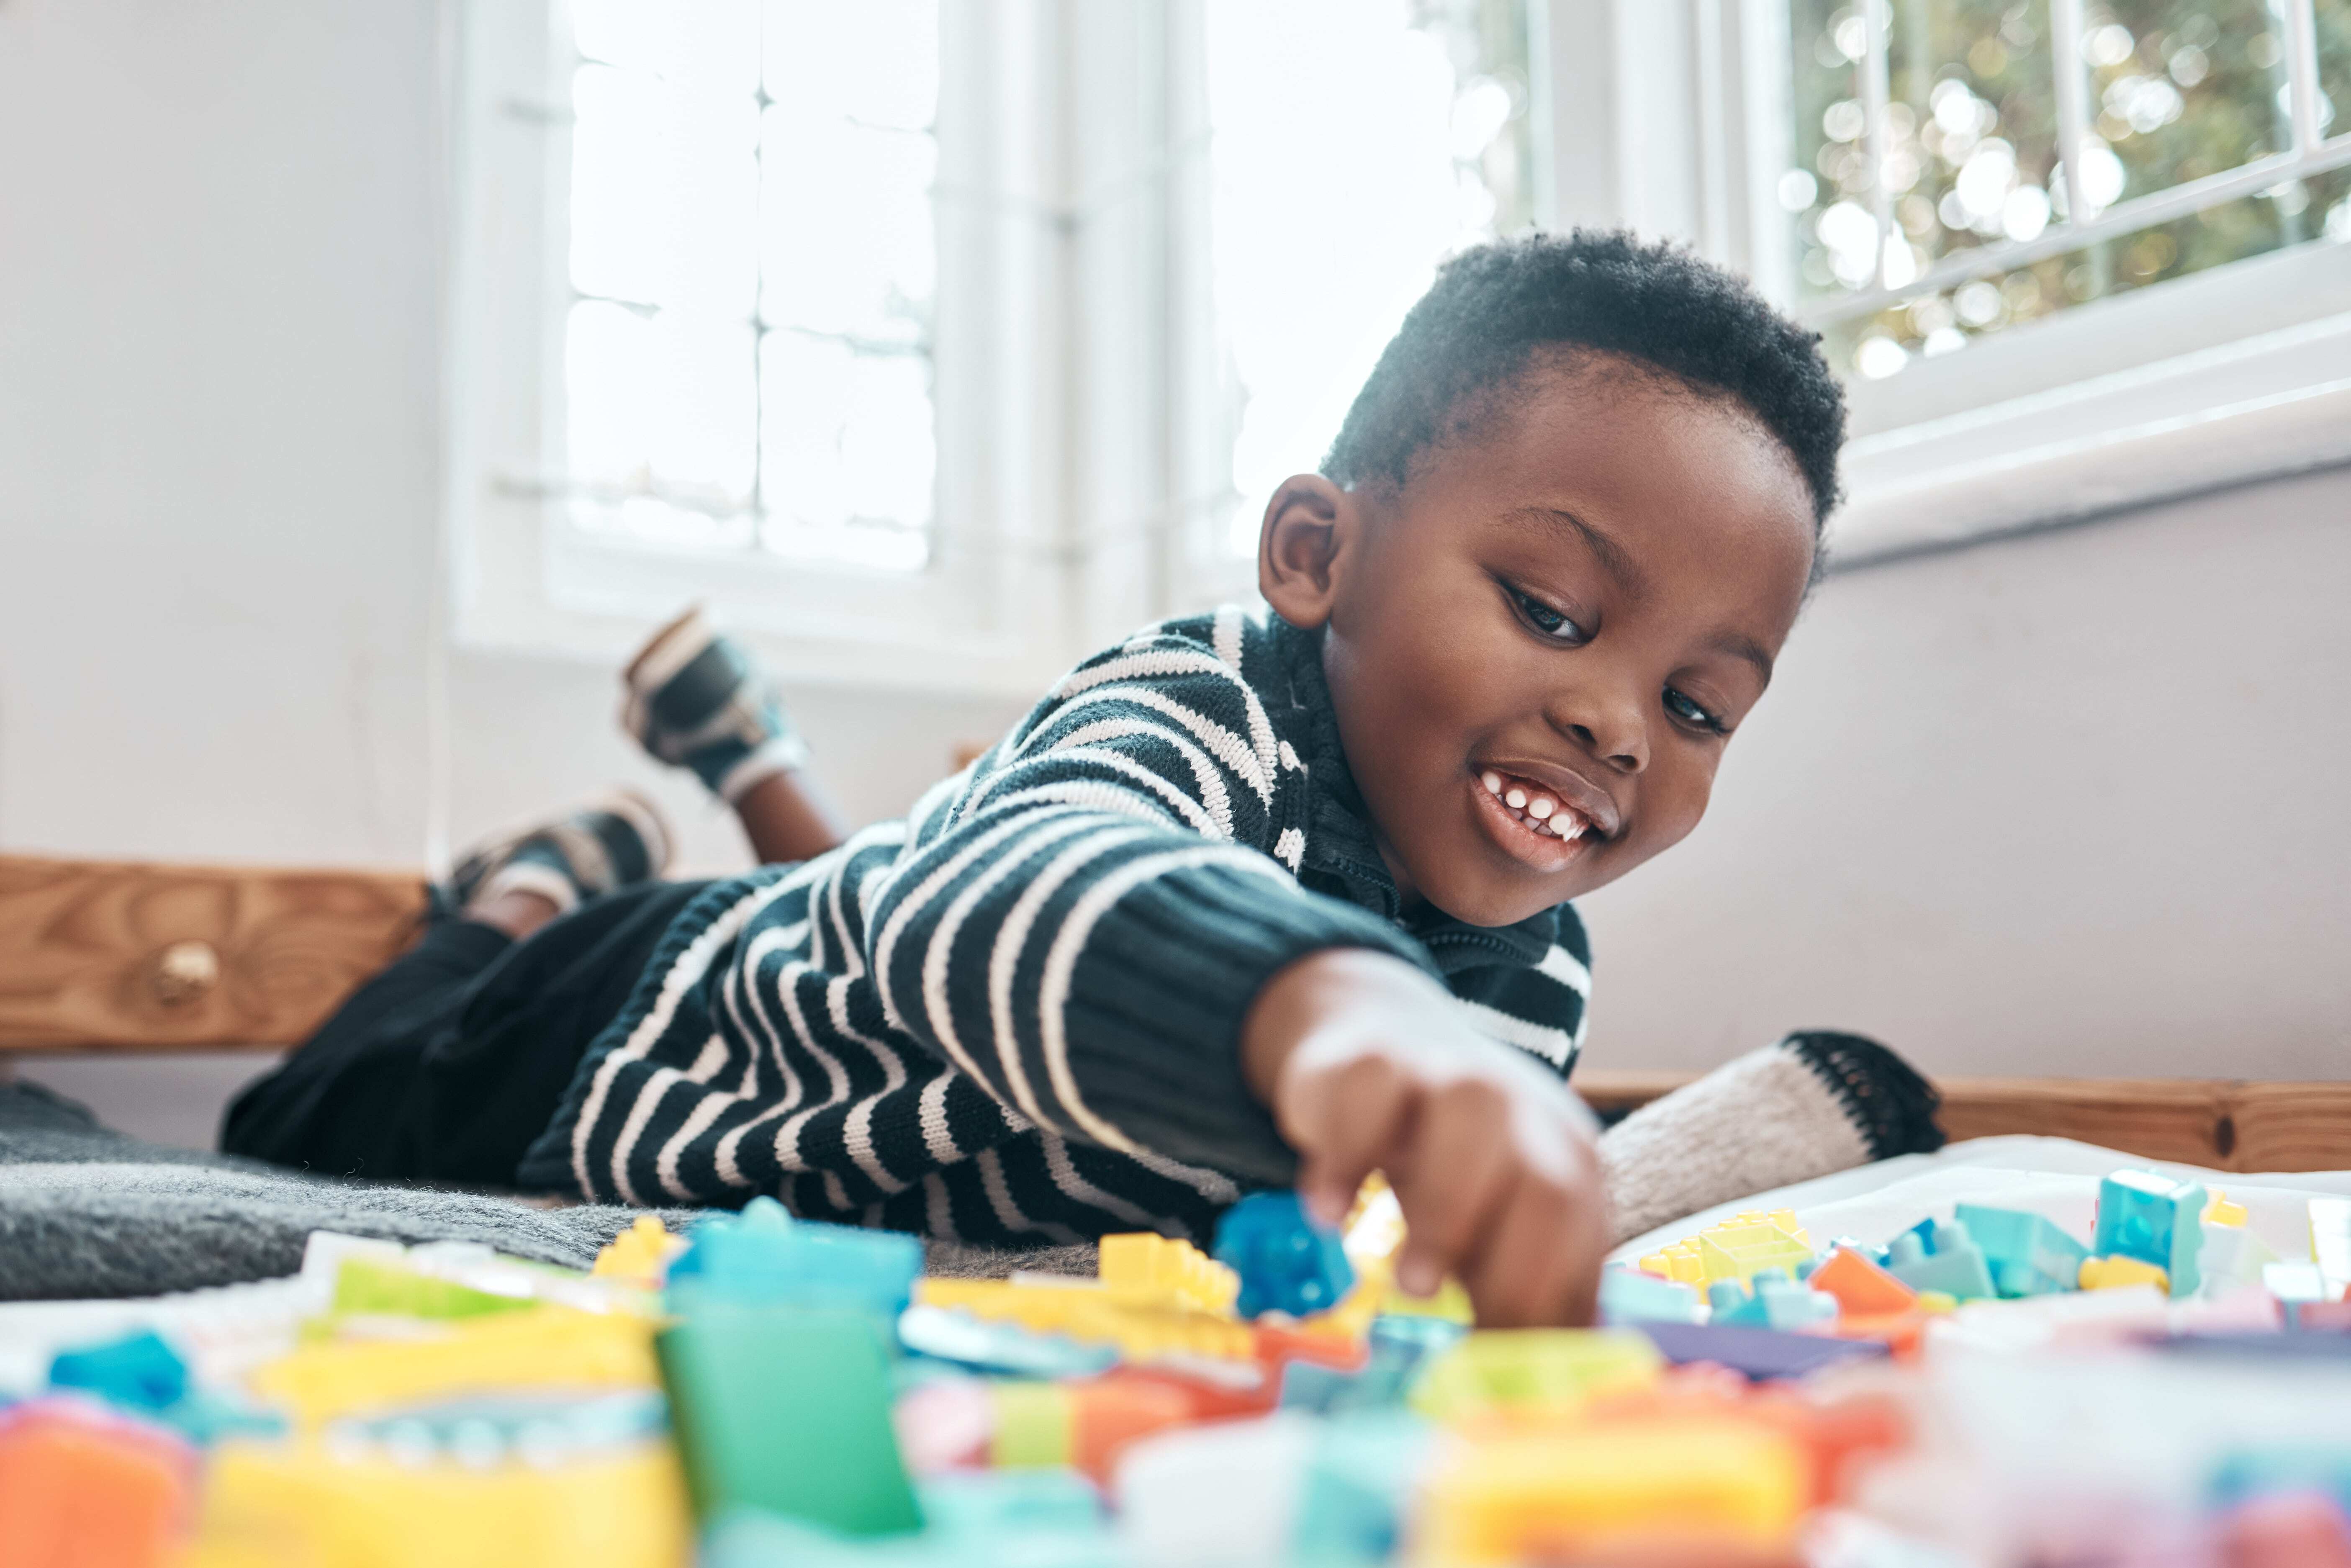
pixel 1082 925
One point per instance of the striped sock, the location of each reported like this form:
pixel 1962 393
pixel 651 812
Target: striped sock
pixel 695 698
pixel 617 842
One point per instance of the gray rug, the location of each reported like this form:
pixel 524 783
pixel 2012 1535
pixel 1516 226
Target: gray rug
pixel 86 1211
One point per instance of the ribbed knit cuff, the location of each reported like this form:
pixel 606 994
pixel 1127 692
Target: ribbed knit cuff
pixel 1157 1001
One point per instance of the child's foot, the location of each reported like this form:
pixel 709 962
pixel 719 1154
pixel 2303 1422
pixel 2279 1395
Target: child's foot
pixel 614 842
pixel 697 699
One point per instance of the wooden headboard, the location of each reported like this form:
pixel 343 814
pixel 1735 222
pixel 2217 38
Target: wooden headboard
pixel 107 955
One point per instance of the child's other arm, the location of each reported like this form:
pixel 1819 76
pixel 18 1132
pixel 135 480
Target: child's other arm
pixel 1367 1065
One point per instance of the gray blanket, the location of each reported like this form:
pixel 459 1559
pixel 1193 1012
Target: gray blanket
pixel 86 1211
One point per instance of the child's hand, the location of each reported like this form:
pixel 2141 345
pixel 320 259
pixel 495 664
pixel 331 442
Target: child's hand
pixel 1368 1065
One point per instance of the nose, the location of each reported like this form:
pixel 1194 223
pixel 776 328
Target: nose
pixel 1606 720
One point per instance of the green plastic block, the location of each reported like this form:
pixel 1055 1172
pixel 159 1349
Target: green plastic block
pixel 787 1410
pixel 364 1285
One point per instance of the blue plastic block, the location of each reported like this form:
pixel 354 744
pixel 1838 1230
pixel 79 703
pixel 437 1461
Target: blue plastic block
pixel 2149 1216
pixel 137 1372
pixel 764 1257
pixel 2028 1254
pixel 982 1345
pixel 1955 1266
pixel 2244 1475
pixel 1285 1261
pixel 1731 1303
pixel 1399 1345
pixel 1019 1501
pixel 1363 1471
pixel 1630 1296
pixel 1776 1302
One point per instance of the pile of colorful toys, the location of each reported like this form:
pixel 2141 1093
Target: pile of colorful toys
pixel 769 1393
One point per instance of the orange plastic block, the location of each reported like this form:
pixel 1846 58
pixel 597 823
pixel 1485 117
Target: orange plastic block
pixel 1861 1287
pixel 80 1490
pixel 1109 1414
pixel 1900 1331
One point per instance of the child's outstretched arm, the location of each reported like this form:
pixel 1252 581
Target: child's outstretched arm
pixel 1367 1065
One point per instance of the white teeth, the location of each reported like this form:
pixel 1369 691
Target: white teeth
pixel 1492 781
pixel 1542 806
pixel 1570 826
pixel 1515 798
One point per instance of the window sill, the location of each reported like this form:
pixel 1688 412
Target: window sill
pixel 2266 406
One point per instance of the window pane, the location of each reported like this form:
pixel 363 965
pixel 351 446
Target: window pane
pixel 663 191
pixel 2334 68
pixel 875 61
pixel 846 243
pixel 709 46
pixel 665 403
pixel 847 455
pixel 2182 89
pixel 1939 323
pixel 1971 127
pixel 1347 118
pixel 1827 188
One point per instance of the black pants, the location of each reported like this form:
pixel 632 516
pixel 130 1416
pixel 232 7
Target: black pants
pixel 448 1064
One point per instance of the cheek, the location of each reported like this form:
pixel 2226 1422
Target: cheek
pixel 1676 798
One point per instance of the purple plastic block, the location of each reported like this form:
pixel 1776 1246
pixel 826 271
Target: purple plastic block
pixel 1759 1353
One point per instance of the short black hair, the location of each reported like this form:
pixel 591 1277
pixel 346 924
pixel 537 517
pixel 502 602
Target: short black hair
pixel 1494 305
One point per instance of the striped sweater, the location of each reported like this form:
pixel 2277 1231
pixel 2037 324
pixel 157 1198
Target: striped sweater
pixel 1013 1017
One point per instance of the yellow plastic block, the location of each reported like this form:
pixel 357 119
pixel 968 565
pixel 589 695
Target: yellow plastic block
pixel 299 1505
pixel 640 1255
pixel 1738 1251
pixel 1142 1269
pixel 2222 1210
pixel 544 1347
pixel 2115 1273
pixel 1534 1372
pixel 1936 1303
pixel 1678 1261
pixel 1084 1310
pixel 1563 1495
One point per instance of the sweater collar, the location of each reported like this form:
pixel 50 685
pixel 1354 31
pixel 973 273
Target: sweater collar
pixel 1342 856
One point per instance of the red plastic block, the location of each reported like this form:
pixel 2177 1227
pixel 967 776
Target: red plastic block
pixel 85 1491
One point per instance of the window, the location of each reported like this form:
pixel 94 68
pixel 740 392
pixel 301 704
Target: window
pixel 751 259
pixel 1959 167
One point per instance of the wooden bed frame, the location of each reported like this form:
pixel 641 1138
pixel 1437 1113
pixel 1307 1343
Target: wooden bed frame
pixel 120 956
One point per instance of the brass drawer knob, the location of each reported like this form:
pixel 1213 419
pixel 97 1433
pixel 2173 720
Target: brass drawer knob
pixel 185 972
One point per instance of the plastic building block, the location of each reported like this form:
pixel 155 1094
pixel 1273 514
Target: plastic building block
pixel 1086 1425
pixel 1861 1287
pixel 2149 1216
pixel 1361 1474
pixel 138 1371
pixel 1631 1295
pixel 1679 1262
pixel 788 1409
pixel 2223 1210
pixel 1534 1372
pixel 1757 1353
pixel 1728 1301
pixel 2116 1273
pixel 1000 1502
pixel 1286 1262
pixel 968 1341
pixel 1749 1241
pixel 1955 1266
pixel 764 1257
pixel 1083 1310
pixel 1568 1494
pixel 1398 1345
pixel 79 1488
pixel 620 1502
pixel 1773 1301
pixel 639 1256
pixel 2330 1242
pixel 2233 1256
pixel 552 1347
pixel 1147 1270
pixel 369 1286
pixel 2028 1255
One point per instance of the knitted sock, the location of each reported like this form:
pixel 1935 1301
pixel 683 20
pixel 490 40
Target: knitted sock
pixel 615 842
pixel 696 698
pixel 1813 1104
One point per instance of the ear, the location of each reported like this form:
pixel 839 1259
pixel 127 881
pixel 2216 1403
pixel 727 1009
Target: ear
pixel 1310 535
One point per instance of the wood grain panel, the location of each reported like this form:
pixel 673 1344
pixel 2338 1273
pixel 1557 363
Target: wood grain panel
pixel 121 955
pixel 2229 1125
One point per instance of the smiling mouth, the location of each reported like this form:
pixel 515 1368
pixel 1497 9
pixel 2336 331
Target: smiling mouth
pixel 1535 807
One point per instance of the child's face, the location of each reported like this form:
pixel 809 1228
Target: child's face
pixel 1580 606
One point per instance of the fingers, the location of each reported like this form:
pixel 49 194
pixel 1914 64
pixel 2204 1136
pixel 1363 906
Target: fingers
pixel 1451 1179
pixel 1540 1263
pixel 1343 1122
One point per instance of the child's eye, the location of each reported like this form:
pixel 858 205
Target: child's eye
pixel 1547 620
pixel 1679 704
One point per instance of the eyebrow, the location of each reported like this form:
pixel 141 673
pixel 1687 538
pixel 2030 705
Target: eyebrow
pixel 1611 556
pixel 1739 645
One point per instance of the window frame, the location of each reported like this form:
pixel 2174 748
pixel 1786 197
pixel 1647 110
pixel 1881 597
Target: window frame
pixel 1671 116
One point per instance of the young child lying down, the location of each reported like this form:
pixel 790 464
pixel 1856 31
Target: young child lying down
pixel 1253 897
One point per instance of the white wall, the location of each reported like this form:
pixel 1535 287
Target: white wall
pixel 2069 803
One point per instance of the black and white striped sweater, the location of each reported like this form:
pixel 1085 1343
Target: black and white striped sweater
pixel 1012 1016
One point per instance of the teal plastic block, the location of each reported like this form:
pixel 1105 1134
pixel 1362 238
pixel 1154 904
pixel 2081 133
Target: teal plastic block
pixel 2148 1216
pixel 981 1519
pixel 1630 1296
pixel 1956 1267
pixel 764 1257
pixel 1732 1305
pixel 1285 1261
pixel 787 1410
pixel 1400 1345
pixel 2029 1255
pixel 1776 1302
pixel 1364 1471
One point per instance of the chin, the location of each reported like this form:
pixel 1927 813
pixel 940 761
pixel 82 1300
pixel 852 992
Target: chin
pixel 1488 901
